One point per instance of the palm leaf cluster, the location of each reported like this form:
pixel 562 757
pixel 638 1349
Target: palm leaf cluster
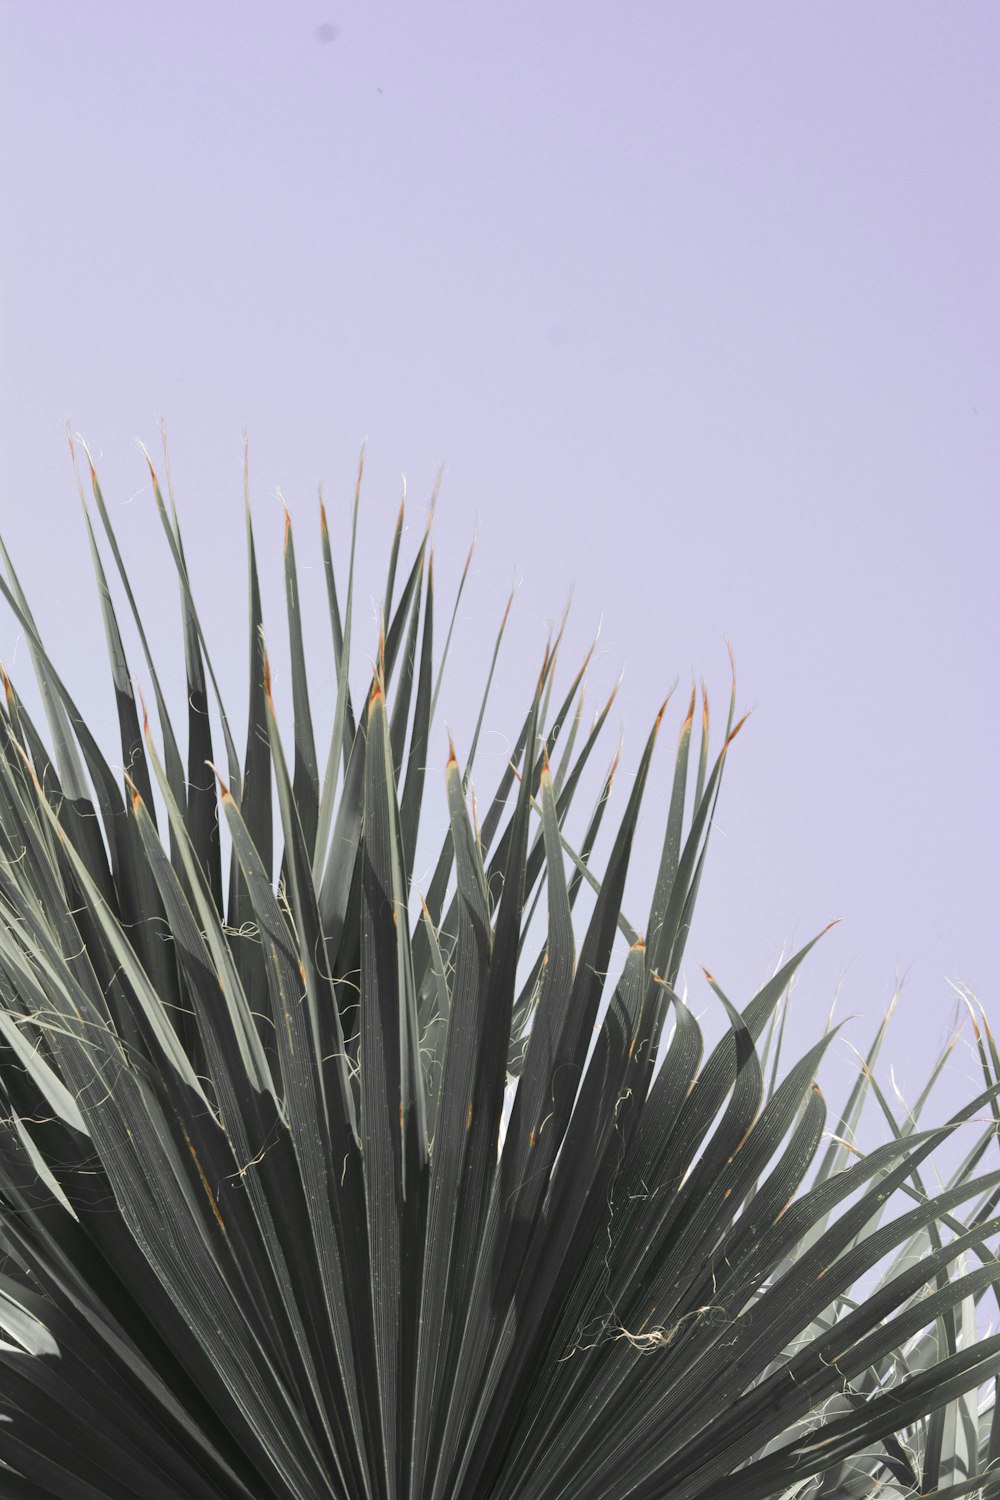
pixel 305 1196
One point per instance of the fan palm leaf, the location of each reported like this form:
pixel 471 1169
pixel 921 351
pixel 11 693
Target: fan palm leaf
pixel 304 1196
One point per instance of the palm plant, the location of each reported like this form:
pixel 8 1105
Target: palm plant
pixel 302 1197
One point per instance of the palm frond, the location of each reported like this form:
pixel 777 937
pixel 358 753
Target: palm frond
pixel 310 1189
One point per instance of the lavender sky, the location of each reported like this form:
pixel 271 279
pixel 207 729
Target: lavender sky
pixel 698 305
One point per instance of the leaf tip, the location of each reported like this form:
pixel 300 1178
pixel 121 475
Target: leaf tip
pixel 735 731
pixel 507 607
pixel 468 560
pixel 615 762
pixel 689 717
pixel 224 792
pixel 432 503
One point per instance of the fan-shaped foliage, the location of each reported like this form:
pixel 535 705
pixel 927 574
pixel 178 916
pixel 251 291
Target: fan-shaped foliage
pixel 260 1241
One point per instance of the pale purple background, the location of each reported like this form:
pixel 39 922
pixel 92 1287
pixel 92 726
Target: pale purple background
pixel 697 303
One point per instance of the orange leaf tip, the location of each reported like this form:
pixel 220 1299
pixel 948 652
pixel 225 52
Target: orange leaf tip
pixel 452 757
pixel 544 672
pixel 735 731
pixel 586 659
pixel 614 691
pixel 224 791
pixel 431 508
pixel 569 601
